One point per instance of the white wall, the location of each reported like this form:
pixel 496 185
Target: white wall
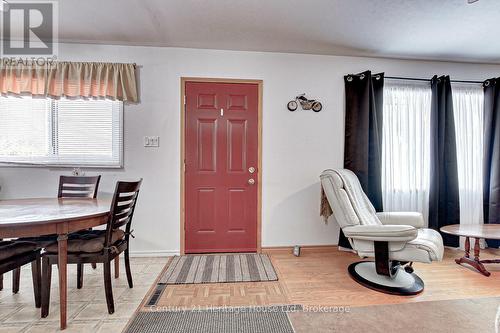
pixel 296 146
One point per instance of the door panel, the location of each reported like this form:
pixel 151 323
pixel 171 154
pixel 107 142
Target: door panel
pixel 206 220
pixel 237 206
pixel 237 102
pixel 207 145
pixel 236 155
pixel 221 144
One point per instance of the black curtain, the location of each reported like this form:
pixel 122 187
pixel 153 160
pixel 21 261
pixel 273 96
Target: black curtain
pixel 363 134
pixel 491 161
pixel 444 206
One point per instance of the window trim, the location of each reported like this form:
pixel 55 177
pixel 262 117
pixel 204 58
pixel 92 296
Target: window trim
pixel 51 165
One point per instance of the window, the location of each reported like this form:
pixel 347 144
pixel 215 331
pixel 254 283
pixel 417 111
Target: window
pixel 406 146
pixel 63 132
pixel 468 114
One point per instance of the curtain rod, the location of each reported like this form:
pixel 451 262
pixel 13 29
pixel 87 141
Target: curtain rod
pixel 427 80
pixel 377 76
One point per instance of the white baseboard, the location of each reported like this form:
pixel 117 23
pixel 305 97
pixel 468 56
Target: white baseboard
pixel 166 253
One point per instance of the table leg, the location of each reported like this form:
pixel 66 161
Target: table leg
pixel 490 261
pixel 62 241
pixel 477 249
pixel 476 262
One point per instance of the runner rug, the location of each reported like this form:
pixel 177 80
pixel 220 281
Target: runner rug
pixel 224 320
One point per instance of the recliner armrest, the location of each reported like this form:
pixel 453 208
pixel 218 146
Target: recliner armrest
pixel 401 218
pixel 381 233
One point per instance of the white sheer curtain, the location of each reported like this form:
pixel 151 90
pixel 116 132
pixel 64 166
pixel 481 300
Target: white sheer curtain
pixel 468 112
pixel 406 146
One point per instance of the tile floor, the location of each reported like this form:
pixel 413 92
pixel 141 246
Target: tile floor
pixel 87 311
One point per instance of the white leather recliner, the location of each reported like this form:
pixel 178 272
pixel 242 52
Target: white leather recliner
pixel 396 240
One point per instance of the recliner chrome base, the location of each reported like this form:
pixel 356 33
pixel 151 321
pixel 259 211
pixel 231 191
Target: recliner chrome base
pixel 401 283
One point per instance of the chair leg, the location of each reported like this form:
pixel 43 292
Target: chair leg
pixel 79 276
pixel 108 288
pixel 36 274
pixel 46 281
pixel 16 277
pixel 94 265
pixel 117 266
pixel 127 269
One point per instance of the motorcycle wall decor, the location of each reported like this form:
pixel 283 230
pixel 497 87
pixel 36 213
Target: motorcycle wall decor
pixel 305 103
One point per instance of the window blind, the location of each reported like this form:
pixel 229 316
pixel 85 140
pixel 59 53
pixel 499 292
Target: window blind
pixel 23 127
pixel 63 132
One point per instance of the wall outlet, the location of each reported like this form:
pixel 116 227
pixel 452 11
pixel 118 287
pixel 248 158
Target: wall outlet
pixel 151 141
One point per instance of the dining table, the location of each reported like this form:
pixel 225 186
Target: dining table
pixel 51 216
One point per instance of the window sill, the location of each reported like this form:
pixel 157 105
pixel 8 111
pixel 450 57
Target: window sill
pixel 59 166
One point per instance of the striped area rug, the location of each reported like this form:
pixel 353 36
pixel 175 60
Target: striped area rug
pixel 225 320
pixel 219 268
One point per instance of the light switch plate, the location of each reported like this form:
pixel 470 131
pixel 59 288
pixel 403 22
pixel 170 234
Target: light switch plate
pixel 151 141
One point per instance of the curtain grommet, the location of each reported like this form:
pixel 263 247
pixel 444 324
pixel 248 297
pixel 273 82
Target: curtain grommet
pixel 362 76
pixel 349 78
pixel 486 83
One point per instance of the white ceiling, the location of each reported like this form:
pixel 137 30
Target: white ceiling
pixel 422 29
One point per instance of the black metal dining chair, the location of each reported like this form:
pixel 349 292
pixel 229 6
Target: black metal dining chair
pixel 98 246
pixel 14 255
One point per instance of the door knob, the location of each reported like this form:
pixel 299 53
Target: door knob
pixel 251 181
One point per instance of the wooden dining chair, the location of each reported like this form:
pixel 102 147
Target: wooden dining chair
pixel 78 186
pixel 14 255
pixel 69 187
pixel 99 246
pixel 81 187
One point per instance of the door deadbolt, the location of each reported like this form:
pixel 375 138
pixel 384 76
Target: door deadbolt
pixel 251 169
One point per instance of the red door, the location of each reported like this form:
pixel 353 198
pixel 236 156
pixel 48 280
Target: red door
pixel 221 167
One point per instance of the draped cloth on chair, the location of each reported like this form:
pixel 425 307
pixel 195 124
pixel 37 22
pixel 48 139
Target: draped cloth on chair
pixel 363 134
pixel 491 158
pixel 69 79
pixel 444 204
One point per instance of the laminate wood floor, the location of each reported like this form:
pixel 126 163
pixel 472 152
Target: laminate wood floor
pixel 319 278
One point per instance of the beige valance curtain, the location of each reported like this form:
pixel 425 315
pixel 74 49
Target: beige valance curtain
pixel 70 79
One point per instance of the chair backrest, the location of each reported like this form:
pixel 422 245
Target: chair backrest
pixel 122 208
pixel 78 187
pixel 349 203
